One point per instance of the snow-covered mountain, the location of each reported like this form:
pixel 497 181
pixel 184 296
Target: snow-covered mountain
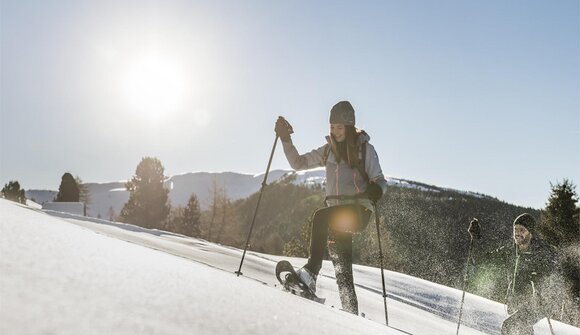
pixel 112 195
pixel 66 274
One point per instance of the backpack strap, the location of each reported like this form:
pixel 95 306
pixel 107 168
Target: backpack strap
pixel 362 155
pixel 325 154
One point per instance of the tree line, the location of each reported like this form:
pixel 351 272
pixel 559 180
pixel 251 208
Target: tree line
pixel 71 189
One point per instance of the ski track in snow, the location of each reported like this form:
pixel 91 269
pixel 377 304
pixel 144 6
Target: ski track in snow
pixel 63 279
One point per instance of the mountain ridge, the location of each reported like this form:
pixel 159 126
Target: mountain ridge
pixel 109 197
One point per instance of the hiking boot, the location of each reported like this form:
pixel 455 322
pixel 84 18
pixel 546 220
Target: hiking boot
pixel 307 278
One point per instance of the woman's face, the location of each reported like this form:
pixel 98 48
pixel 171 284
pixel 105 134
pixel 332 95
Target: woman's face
pixel 338 130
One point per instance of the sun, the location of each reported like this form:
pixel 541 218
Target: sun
pixel 154 87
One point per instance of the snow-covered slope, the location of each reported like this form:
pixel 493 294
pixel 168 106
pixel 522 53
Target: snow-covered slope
pixel 62 274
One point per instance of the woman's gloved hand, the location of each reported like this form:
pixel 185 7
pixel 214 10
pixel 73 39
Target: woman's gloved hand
pixel 283 129
pixel 374 192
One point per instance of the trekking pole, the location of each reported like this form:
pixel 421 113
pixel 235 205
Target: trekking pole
pixel 474 231
pixel 541 302
pixel 381 262
pixel 550 324
pixel 239 272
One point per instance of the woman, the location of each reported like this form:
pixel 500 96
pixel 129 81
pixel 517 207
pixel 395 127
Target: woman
pixel 354 181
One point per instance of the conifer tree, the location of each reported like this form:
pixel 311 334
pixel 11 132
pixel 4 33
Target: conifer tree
pixel 191 217
pixel 12 191
pixel 226 214
pixel 148 204
pixel 84 193
pixel 111 215
pixel 174 221
pixel 215 199
pixel 560 220
pixel 68 191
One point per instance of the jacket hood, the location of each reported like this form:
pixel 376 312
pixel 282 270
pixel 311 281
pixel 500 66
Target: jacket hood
pixel 363 137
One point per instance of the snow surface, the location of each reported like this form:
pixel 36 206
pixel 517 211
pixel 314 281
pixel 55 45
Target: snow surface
pixel 67 274
pixel 77 208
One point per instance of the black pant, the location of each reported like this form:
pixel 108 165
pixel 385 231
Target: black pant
pixel 340 247
pixel 319 234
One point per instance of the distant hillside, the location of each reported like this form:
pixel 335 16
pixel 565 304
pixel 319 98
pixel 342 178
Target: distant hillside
pixel 112 195
pixel 41 196
pixel 424 228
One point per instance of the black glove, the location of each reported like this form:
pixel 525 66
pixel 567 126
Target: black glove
pixel 474 229
pixel 283 129
pixel 374 192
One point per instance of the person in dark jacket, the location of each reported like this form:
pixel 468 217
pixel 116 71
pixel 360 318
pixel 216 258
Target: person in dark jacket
pixel 532 262
pixel 354 181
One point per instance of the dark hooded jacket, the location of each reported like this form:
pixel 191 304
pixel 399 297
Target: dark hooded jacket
pixel 526 271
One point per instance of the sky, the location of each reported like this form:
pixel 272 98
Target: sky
pixel 478 96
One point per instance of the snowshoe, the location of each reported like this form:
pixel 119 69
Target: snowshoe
pixel 291 282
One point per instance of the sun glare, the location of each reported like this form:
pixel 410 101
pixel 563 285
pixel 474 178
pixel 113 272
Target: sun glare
pixel 154 87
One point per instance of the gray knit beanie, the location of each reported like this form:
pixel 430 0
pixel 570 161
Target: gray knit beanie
pixel 527 221
pixel 343 113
